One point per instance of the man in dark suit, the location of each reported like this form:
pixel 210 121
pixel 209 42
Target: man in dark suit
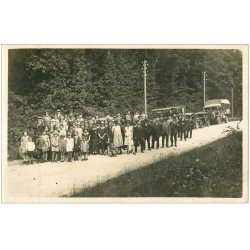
pixel 165 132
pixel 147 132
pixel 191 125
pixel 179 121
pixel 156 133
pixel 184 128
pixel 138 136
pixel 173 131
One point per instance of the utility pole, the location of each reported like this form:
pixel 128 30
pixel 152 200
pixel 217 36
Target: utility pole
pixel 145 85
pixel 232 92
pixel 204 82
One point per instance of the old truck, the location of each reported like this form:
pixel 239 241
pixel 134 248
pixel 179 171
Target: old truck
pixel 217 110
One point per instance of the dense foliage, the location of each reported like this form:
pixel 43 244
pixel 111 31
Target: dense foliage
pixel 102 81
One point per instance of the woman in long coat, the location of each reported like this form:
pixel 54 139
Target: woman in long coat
pixel 117 136
pixel 93 144
pixel 129 137
pixel 102 136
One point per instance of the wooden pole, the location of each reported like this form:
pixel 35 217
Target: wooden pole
pixel 204 81
pixel 145 85
pixel 232 92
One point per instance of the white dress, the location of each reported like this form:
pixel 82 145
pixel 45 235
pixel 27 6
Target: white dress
pixel 129 137
pixel 69 144
pixel 117 136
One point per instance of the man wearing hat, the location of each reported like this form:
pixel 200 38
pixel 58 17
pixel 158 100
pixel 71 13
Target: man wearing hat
pixel 156 133
pixel 138 137
pixel 190 126
pixel 148 132
pixel 62 147
pixel 184 131
pixel 165 131
pixel 173 131
pixel 179 120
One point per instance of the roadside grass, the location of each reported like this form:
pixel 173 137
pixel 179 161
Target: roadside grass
pixel 213 170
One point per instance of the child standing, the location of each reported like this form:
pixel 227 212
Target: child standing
pixel 45 146
pixel 39 146
pixel 24 141
pixel 30 146
pixel 85 145
pixel 69 147
pixel 77 146
pixel 54 146
pixel 63 147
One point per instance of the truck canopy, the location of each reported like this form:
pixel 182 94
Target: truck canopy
pixel 216 103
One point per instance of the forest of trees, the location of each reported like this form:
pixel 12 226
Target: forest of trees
pixel 110 81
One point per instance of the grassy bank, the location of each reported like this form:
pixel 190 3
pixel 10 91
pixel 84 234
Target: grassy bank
pixel 214 170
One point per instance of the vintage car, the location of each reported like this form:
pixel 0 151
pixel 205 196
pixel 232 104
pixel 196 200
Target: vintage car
pixel 188 115
pixel 217 110
pixel 201 119
pixel 169 111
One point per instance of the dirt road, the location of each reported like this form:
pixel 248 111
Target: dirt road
pixel 57 179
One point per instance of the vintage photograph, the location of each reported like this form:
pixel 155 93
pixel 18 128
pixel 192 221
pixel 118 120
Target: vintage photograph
pixel 125 123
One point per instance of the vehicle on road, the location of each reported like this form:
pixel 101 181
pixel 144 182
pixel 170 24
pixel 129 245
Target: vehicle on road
pixel 217 110
pixel 188 115
pixel 201 119
pixel 169 111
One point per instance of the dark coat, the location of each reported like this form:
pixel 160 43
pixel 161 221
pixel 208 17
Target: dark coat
pixel 157 130
pixel 191 124
pixel 138 133
pixel 109 133
pixel 184 124
pixel 174 127
pixel 166 128
pixel 77 144
pixel 102 132
pixel 147 130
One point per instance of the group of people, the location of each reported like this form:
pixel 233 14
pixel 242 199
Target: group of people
pixel 72 137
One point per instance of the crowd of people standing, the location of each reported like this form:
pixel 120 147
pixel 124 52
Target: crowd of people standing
pixel 73 137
